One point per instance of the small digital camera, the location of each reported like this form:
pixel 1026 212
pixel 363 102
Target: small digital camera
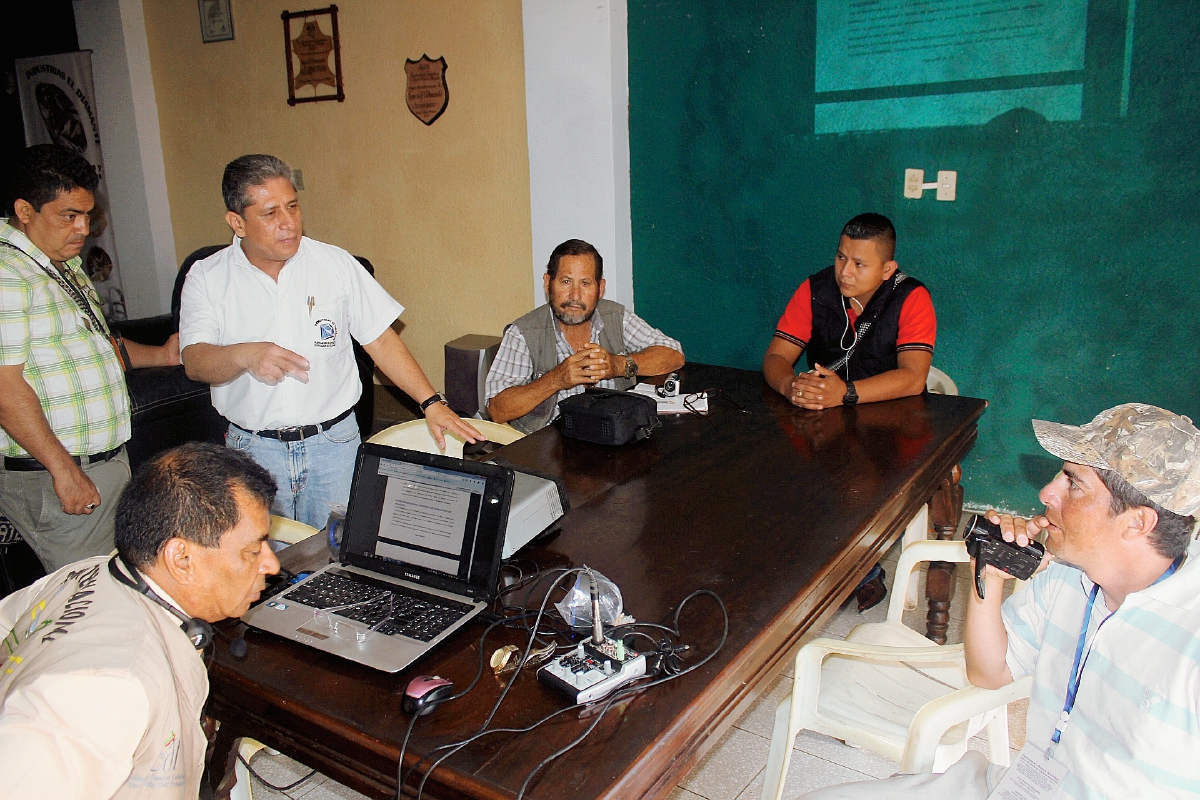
pixel 987 546
pixel 670 387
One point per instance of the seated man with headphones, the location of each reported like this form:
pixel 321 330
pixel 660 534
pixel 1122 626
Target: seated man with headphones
pixel 103 682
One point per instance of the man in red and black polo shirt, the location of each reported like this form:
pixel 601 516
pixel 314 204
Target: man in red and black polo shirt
pixel 867 329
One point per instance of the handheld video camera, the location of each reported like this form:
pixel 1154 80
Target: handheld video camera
pixel 670 386
pixel 987 546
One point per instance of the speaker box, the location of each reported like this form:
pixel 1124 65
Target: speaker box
pixel 468 359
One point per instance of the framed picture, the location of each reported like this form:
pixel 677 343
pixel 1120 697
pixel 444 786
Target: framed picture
pixel 216 20
pixel 309 39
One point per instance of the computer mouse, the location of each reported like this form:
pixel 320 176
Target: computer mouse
pixel 423 692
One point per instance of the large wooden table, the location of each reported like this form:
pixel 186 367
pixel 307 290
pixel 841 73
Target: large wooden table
pixel 779 511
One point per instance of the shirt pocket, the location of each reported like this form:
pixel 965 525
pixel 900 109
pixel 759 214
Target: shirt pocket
pixel 327 333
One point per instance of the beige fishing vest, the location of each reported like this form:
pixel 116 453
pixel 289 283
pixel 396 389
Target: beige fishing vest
pixel 80 620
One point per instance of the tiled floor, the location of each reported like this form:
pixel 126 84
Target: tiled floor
pixel 733 769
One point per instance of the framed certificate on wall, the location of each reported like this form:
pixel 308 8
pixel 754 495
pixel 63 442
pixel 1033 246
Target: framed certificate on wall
pixel 216 20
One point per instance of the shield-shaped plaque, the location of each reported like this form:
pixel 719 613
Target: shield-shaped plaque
pixel 427 93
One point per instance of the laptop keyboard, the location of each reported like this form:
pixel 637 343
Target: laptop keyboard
pixel 415 614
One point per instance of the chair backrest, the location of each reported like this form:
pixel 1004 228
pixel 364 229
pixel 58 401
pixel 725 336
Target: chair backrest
pixel 911 559
pixel 939 382
pixel 177 293
pixel 414 435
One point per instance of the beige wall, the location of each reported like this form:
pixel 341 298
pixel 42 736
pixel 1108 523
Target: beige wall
pixel 441 211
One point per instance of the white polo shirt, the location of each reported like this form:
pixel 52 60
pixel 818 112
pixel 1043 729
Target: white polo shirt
pixel 323 297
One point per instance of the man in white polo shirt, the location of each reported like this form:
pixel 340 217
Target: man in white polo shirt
pixel 1109 629
pixel 268 322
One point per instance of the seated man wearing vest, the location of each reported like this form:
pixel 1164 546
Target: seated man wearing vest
pixel 867 329
pixel 102 688
pixel 578 339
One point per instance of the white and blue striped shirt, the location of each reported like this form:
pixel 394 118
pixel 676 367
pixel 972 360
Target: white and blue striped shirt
pixel 1135 728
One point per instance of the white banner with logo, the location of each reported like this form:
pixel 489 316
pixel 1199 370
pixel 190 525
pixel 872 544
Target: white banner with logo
pixel 58 103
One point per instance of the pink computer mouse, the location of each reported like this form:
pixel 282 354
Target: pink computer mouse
pixel 423 692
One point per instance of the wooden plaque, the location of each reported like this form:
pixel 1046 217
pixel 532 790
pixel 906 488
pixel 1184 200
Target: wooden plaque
pixel 307 49
pixel 427 94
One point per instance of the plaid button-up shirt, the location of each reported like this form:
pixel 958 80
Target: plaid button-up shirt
pixel 513 365
pixel 72 368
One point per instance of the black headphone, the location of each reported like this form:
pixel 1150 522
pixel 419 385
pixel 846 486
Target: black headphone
pixel 196 629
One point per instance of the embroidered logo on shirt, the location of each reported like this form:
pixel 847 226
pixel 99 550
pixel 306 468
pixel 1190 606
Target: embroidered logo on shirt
pixel 326 333
pixel 166 773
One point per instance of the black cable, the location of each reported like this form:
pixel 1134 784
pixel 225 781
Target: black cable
pixel 459 745
pixel 529 644
pixel 270 785
pixel 628 690
pixel 541 576
pixel 625 691
pixel 564 573
pixel 402 779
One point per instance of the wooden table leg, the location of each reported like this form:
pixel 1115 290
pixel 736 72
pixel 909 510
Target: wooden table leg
pixel 946 510
pixel 222 757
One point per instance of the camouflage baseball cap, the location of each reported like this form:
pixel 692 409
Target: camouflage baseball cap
pixel 1156 451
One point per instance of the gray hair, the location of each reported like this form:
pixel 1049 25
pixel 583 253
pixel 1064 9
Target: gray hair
pixel 1173 532
pixel 246 171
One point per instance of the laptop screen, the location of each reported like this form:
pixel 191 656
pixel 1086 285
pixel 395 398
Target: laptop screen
pixel 427 518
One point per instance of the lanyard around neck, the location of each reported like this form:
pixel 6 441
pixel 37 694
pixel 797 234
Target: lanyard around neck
pixel 73 291
pixel 1081 659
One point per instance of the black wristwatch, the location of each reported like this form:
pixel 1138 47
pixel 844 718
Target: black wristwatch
pixel 437 398
pixel 631 368
pixel 851 396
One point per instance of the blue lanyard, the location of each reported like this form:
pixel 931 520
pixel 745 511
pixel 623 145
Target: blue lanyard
pixel 1081 658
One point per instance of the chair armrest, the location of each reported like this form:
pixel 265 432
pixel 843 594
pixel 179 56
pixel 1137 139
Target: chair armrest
pixel 941 714
pixel 152 331
pixel 819 649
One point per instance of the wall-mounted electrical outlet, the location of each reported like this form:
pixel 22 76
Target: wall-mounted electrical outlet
pixel 946 184
pixel 913 180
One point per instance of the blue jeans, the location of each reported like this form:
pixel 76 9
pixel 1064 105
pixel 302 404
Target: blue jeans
pixel 311 474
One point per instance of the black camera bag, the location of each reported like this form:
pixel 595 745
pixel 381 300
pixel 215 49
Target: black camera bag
pixel 607 416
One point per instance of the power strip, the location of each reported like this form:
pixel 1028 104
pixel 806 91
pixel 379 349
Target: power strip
pixel 591 672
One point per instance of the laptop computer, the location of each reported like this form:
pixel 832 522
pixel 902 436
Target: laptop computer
pixel 420 558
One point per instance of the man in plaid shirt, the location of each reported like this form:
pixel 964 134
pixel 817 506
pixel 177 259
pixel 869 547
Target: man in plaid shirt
pixel 578 339
pixel 64 408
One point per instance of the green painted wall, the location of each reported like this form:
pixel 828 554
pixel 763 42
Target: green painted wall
pixel 1063 276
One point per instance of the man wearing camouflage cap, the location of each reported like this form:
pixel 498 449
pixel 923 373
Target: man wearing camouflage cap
pixel 1107 628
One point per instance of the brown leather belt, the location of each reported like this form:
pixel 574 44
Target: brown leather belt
pixel 13 464
pixel 300 432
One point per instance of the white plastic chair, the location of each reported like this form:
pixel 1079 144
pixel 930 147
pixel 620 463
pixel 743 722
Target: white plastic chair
pixel 289 531
pixel 889 689
pixel 938 382
pixel 415 435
